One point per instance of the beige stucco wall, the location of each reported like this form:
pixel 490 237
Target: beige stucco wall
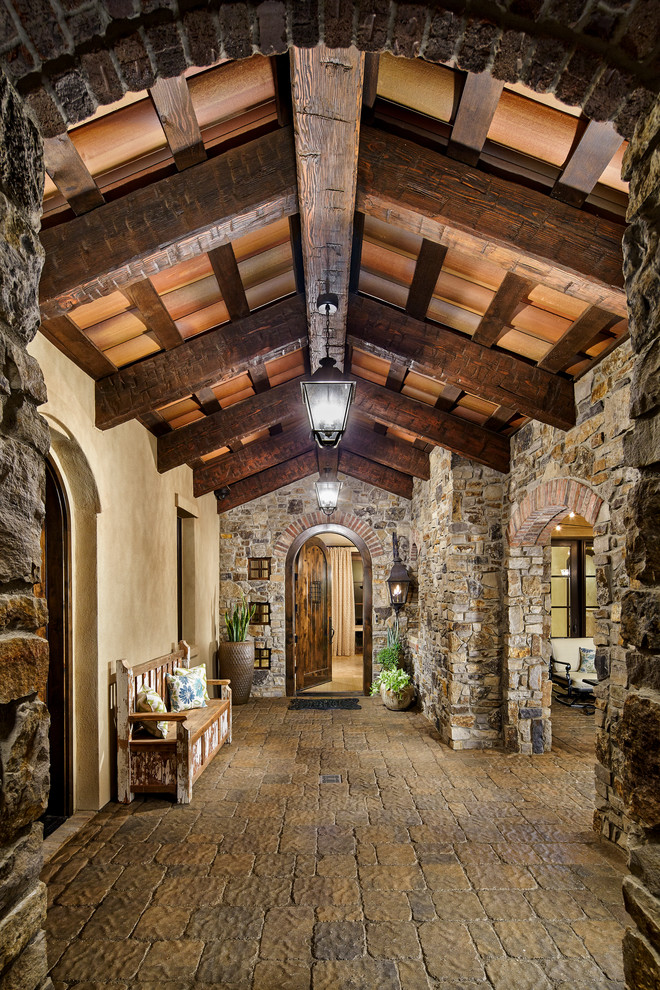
pixel 123 551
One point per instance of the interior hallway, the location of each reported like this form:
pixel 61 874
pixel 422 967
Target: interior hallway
pixel 346 677
pixel 424 868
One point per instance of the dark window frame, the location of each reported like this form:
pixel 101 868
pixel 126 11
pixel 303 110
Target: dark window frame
pixel 260 565
pixel 261 615
pixel 577 603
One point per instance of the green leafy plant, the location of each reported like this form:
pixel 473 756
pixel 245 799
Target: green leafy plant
pixel 393 637
pixel 237 620
pixel 395 680
pixel 389 657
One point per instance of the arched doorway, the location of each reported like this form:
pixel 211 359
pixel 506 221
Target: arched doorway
pixel 290 598
pixel 56 590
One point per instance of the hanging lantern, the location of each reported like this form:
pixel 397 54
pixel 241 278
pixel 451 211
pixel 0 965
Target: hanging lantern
pixel 328 396
pixel 399 580
pixel 327 495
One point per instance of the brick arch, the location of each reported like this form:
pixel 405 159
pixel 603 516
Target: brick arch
pixel 533 520
pixel 318 518
pixel 66 65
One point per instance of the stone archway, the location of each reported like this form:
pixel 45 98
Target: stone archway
pixel 528 690
pixel 368 545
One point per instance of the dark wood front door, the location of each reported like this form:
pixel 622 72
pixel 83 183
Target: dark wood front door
pixel 313 655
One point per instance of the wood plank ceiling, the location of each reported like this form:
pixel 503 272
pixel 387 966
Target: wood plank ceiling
pixel 471 231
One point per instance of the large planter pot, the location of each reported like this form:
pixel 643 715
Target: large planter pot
pixel 397 703
pixel 237 664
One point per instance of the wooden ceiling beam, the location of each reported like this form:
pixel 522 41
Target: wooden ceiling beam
pixel 374 474
pixel 502 309
pixel 327 99
pixel 499 417
pixel 76 345
pixel 389 451
pixel 577 338
pixel 171 98
pixel 202 361
pixel 479 99
pixel 356 252
pixel 259 378
pixel 269 480
pixel 433 425
pixel 448 356
pixel 429 264
pixel 223 428
pixel 70 174
pixel 327 459
pixel 155 423
pixel 423 191
pixel 208 400
pixel 153 313
pixel 251 459
pixel 448 398
pixel 228 277
pixel 593 153
pixel 370 86
pixel 172 220
pixel 396 375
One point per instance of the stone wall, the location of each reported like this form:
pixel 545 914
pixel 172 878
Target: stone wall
pixel 592 455
pixel 636 736
pixel 457 651
pixel 265 528
pixel 24 760
pixel 71 57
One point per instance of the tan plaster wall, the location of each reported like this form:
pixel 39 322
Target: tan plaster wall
pixel 123 560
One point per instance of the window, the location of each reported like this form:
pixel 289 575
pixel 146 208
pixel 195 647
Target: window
pixel 258 568
pixel 262 658
pixel 261 613
pixel 573 588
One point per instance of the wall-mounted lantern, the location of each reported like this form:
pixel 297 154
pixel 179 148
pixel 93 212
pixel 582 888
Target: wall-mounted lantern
pixel 399 580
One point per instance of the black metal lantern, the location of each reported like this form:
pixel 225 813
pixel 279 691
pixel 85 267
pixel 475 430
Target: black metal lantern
pixel 328 396
pixel 399 580
pixel 327 495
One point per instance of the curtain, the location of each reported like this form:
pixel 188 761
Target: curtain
pixel 343 602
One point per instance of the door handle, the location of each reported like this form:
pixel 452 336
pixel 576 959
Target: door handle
pixel 332 633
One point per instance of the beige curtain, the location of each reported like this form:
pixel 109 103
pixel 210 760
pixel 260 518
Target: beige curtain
pixel 343 602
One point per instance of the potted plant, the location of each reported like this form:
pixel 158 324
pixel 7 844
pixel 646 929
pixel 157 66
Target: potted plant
pixel 395 688
pixel 236 655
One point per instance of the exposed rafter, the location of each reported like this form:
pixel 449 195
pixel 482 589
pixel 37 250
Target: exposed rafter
pixel 181 216
pixel 77 346
pixel 203 361
pixel 251 459
pixel 435 426
pixel 154 314
pixel 327 98
pixel 429 263
pixel 479 99
pixel 448 356
pixel 185 445
pixel 70 174
pixel 502 309
pixel 388 451
pixel 269 480
pixel 578 337
pixel 590 158
pixel 377 475
pixel 175 110
pixel 425 192
pixel 228 277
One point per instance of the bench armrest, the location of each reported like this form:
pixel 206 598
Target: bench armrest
pixel 157 717
pixel 210 680
pixel 560 663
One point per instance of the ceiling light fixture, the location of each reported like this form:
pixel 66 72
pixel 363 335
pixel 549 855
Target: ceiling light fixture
pixel 327 395
pixel 327 494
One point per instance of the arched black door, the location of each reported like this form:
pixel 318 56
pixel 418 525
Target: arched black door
pixel 55 588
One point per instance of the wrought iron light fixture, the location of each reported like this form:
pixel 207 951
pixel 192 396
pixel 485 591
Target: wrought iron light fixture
pixel 327 494
pixel 327 396
pixel 399 580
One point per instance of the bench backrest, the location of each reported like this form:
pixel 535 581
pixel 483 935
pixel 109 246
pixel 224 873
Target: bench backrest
pixel 566 650
pixel 132 679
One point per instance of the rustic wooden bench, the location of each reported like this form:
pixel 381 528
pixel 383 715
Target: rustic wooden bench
pixel 147 765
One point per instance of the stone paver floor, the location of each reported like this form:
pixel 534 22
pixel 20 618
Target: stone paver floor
pixel 422 869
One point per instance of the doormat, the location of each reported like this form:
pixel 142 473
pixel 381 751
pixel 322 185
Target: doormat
pixel 299 704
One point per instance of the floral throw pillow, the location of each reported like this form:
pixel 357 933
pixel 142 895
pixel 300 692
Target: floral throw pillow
pixel 149 700
pixel 198 672
pixel 587 661
pixel 185 692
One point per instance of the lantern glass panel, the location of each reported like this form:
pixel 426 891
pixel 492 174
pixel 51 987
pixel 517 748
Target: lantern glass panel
pixel 327 406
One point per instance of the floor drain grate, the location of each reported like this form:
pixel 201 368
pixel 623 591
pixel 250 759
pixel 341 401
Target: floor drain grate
pixel 330 778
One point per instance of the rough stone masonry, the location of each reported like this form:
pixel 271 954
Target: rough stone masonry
pixel 24 758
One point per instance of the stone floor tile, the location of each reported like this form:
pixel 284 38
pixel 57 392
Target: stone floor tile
pixel 412 974
pixel 136 853
pixel 392 877
pixel 162 922
pixel 86 960
pixel 395 854
pixel 485 939
pixel 91 885
pixel 338 940
pixel 324 891
pixel 337 866
pixel 214 923
pixel 66 922
pixel 576 972
pixel 421 905
pixel 555 905
pixel 445 876
pixel 268 892
pixel 512 974
pixel 525 939
pixel 448 951
pixel 393 940
pixel 117 916
pixel 230 962
pixel 356 974
pixel 232 864
pixel 274 864
pixel 603 939
pixel 287 934
pixel 140 876
pixel 172 959
pixel 460 905
pixel 273 975
pixel 499 876
pixel 386 905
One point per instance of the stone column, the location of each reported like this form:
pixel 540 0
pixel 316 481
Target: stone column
pixel 24 758
pixel 638 730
